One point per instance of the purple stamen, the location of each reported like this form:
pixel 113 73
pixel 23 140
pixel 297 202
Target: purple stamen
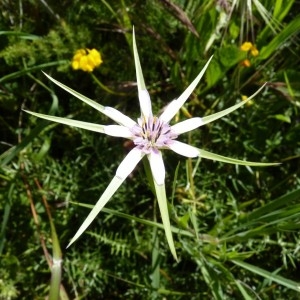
pixel 152 134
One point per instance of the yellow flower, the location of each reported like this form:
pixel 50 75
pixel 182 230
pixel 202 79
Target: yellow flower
pixel 254 51
pixel 246 46
pixel 86 60
pixel 246 63
pixel 249 103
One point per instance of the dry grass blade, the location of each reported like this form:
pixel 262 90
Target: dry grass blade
pixel 180 15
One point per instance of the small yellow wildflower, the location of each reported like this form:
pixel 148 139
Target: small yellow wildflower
pixel 246 46
pixel 254 51
pixel 246 63
pixel 249 103
pixel 86 60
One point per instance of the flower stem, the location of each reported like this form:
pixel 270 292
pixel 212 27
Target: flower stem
pixel 105 88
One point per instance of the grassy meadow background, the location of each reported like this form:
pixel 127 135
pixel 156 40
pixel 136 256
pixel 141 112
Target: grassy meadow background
pixel 236 228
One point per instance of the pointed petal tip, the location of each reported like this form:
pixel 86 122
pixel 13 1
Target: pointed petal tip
pixel 175 257
pixel 71 242
pixel 229 160
pixel 47 75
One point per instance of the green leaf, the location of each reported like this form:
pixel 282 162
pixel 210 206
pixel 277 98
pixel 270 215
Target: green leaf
pixel 230 55
pixel 283 118
pixel 214 73
pixel 225 58
pixel 268 275
pixel 155 275
pixel 243 291
pixel 70 122
pixel 20 34
pixel 124 19
pixel 56 268
pixel 8 155
pixel 210 275
pixel 31 69
pixel 163 207
pixel 291 29
pixel 234 30
pixel 279 214
pixel 281 9
pixel 282 201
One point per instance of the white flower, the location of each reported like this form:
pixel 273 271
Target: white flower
pixel 150 134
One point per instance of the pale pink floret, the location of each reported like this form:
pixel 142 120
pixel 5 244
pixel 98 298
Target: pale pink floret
pixel 152 134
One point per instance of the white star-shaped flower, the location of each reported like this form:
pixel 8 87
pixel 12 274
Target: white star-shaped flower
pixel 150 134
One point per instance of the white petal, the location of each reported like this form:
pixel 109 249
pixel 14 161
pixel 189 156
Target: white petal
pixel 145 103
pixel 157 167
pixel 187 125
pixel 118 117
pixel 175 105
pixel 184 149
pixel 129 163
pixel 118 131
pixel 170 111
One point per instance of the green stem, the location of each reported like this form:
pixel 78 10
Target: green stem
pixel 105 88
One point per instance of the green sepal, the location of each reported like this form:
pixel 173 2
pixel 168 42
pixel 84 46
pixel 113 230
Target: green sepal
pixel 229 110
pixel 105 197
pixel 229 160
pixel 163 207
pixel 139 73
pixel 70 122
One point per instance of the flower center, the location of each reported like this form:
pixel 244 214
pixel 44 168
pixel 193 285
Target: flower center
pixel 152 134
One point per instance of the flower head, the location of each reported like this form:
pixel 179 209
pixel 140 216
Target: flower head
pixel 254 51
pixel 249 103
pixel 246 63
pixel 248 46
pixel 150 134
pixel 86 60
